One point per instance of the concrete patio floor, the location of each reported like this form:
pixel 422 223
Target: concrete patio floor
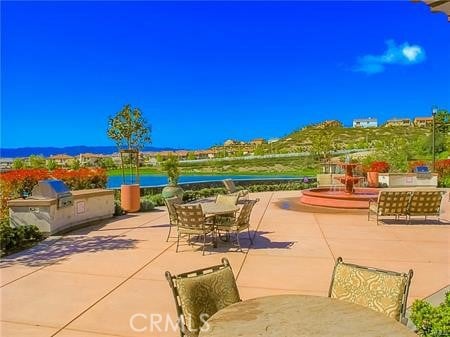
pixel 91 281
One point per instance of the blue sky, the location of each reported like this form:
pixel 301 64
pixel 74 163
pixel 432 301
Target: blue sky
pixel 204 72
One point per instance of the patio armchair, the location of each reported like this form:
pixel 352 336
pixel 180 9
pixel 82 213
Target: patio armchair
pixel 390 203
pixel 231 189
pixel 239 223
pixel 199 294
pixel 192 221
pixel 425 203
pixel 380 290
pixel 173 218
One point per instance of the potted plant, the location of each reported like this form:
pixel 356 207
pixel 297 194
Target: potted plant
pixel 171 166
pixel 375 168
pixel 130 132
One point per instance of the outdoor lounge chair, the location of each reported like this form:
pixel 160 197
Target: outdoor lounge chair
pixel 173 218
pixel 201 293
pixel 231 189
pixel 381 290
pixel 390 203
pixel 192 221
pixel 239 223
pixel 425 203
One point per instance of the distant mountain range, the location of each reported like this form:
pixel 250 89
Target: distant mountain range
pixel 69 150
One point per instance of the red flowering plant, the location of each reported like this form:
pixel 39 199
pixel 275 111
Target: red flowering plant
pixel 379 166
pixel 442 167
pixel 17 183
pixel 83 178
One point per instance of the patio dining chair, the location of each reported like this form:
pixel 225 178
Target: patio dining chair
pixel 192 221
pixel 199 294
pixel 237 224
pixel 231 189
pixel 229 199
pixel 380 290
pixel 173 217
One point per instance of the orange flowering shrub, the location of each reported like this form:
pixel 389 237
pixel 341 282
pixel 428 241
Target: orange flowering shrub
pixel 379 166
pixel 443 167
pixel 83 178
pixel 16 183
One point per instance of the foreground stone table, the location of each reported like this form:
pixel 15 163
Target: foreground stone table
pixel 301 316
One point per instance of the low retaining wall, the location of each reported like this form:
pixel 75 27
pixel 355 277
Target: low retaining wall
pixel 195 186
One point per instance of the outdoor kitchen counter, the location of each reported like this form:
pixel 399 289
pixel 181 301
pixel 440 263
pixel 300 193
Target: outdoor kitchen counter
pixel 88 205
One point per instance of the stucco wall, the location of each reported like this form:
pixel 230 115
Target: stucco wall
pixel 88 205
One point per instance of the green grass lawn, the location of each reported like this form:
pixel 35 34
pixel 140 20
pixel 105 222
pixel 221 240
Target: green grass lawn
pixel 297 166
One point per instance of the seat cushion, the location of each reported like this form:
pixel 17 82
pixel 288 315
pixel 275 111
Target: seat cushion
pixel 202 296
pixel 377 290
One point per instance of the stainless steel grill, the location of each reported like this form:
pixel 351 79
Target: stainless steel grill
pixel 53 189
pixel 422 172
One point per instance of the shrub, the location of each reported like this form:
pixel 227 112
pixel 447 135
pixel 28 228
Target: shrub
pixel 432 321
pixel 83 178
pixel 15 238
pixel 379 166
pixel 157 199
pixel 118 208
pixel 147 204
pixel 443 167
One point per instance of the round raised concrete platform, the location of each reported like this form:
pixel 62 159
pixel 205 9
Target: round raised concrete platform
pixel 326 197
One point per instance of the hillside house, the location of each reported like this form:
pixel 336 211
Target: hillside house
pixel 61 159
pixel 398 122
pixel 422 122
pixel 365 123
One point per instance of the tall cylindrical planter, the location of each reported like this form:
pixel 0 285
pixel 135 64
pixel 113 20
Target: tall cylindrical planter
pixel 130 197
pixel 372 179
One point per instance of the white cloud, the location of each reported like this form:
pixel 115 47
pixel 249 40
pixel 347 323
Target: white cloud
pixel 403 54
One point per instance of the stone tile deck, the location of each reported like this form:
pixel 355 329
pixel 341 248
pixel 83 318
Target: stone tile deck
pixel 91 281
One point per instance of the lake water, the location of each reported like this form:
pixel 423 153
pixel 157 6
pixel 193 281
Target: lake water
pixel 158 180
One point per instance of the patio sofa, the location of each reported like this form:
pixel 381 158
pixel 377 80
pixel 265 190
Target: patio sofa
pixel 406 203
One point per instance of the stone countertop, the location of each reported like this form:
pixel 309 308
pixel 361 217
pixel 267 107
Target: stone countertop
pixel 78 194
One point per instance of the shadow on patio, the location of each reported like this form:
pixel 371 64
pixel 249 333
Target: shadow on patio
pixel 57 250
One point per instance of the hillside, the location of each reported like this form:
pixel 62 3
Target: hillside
pixel 345 138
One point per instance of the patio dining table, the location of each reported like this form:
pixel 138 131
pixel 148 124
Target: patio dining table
pixel 213 208
pixel 301 316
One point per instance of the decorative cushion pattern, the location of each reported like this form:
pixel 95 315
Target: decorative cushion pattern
pixel 374 289
pixel 425 203
pixel 227 199
pixel 191 217
pixel 393 203
pixel 202 296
